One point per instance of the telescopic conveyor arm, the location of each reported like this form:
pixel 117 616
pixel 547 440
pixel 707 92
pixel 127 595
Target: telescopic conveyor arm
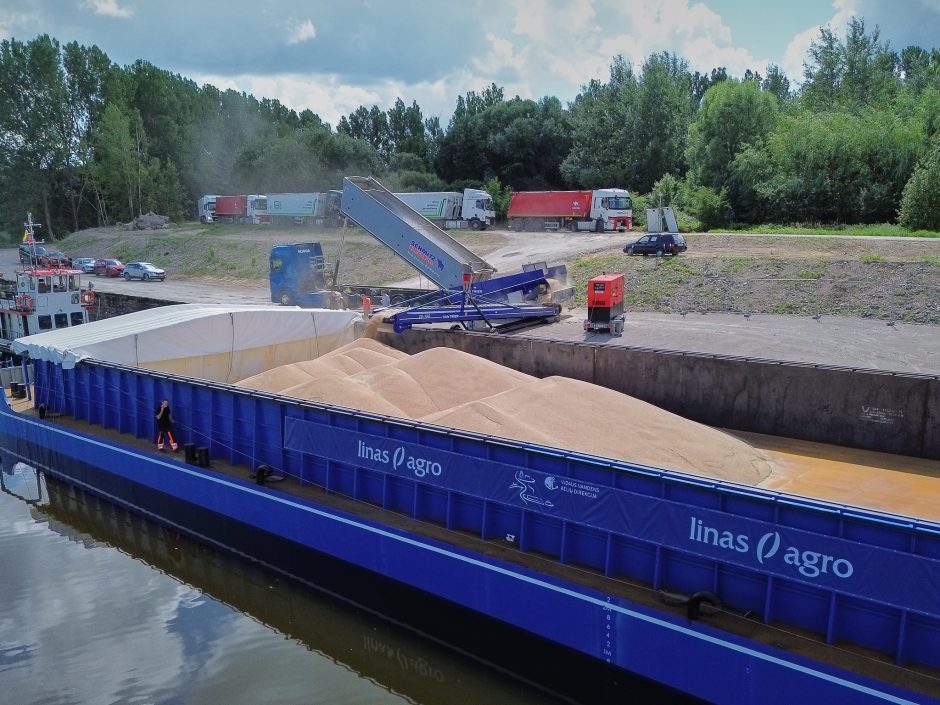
pixel 414 238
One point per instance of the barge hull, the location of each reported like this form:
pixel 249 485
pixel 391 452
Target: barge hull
pixel 684 654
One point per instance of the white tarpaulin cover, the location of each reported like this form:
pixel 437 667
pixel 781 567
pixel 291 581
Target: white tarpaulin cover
pixel 218 342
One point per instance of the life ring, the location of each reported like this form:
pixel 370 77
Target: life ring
pixel 88 297
pixel 25 302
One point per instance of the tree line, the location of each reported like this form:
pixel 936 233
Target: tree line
pixel 85 142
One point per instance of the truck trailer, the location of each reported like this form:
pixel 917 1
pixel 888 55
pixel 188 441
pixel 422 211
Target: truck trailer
pixel 240 209
pixel 599 210
pixel 290 208
pixel 302 209
pixel 452 210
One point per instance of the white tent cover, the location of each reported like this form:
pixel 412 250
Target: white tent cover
pixel 166 333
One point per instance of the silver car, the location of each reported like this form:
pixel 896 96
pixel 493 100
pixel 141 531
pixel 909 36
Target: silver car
pixel 143 270
pixel 86 264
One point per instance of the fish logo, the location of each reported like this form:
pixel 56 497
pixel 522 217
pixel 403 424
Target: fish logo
pixel 526 486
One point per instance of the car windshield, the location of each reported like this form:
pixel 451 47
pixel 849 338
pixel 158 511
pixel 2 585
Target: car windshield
pixel 145 265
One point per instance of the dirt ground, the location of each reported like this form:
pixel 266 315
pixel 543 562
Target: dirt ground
pixel 892 279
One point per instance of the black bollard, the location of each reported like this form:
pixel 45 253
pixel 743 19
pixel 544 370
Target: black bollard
pixel 202 456
pixel 262 473
pixel 189 450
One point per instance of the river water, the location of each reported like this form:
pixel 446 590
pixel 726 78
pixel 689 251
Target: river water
pixel 101 606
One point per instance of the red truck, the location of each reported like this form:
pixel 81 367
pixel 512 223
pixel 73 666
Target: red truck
pixel 600 210
pixel 240 209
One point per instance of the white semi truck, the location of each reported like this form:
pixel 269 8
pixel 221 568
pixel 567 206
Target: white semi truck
pixel 205 209
pixel 452 210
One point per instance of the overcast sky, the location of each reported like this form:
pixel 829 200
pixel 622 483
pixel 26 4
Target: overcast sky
pixel 332 57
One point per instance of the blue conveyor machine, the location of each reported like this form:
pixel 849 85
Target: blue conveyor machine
pixel 469 291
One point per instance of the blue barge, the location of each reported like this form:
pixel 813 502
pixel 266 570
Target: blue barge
pixel 819 603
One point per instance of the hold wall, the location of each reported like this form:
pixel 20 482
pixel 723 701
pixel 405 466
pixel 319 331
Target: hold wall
pixel 870 409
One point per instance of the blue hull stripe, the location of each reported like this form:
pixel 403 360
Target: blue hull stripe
pixel 513 574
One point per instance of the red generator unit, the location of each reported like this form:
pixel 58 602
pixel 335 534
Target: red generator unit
pixel 605 304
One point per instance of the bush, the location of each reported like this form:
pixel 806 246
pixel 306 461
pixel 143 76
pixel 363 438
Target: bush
pixel 639 211
pixel 708 205
pixel 665 191
pixel 920 202
pixel 500 194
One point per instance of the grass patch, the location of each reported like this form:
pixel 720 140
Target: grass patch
pixel 736 264
pixel 872 259
pixel 930 259
pixel 870 230
pixel 588 266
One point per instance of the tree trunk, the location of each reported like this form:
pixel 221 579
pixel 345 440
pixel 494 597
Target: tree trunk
pixel 45 208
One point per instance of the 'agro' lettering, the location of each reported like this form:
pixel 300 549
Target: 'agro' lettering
pixel 811 563
pixel 419 466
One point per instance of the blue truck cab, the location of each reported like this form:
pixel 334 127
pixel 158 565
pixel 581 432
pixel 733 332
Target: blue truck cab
pixel 297 275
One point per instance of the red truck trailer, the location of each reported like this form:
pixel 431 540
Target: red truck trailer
pixel 241 209
pixel 231 209
pixel 603 209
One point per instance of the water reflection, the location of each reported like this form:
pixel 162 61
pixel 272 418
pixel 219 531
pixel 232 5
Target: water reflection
pixel 104 606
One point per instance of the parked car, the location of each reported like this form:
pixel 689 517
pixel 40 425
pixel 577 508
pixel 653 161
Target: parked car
pixel 657 244
pixel 86 264
pixel 43 256
pixel 143 270
pixel 107 267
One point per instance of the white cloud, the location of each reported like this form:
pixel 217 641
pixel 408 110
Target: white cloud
pixel 16 24
pixel 595 32
pixel 796 53
pixel 302 32
pixel 108 8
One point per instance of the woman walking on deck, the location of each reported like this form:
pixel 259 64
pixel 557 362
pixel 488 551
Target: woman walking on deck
pixel 165 426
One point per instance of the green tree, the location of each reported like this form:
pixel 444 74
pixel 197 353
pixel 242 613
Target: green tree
pixel 860 72
pixel 33 116
pixel 520 141
pixel 833 167
pixel 734 114
pixel 501 196
pixel 920 204
pixel 776 84
pixel 631 130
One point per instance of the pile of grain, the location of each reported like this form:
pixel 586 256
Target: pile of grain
pixel 455 389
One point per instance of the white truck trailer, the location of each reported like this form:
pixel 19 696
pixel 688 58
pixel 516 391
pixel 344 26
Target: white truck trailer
pixel 452 210
pixel 291 208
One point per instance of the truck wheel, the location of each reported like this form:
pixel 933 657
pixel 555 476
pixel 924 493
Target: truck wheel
pixel 599 226
pixel 574 226
pixel 475 224
pixel 286 298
